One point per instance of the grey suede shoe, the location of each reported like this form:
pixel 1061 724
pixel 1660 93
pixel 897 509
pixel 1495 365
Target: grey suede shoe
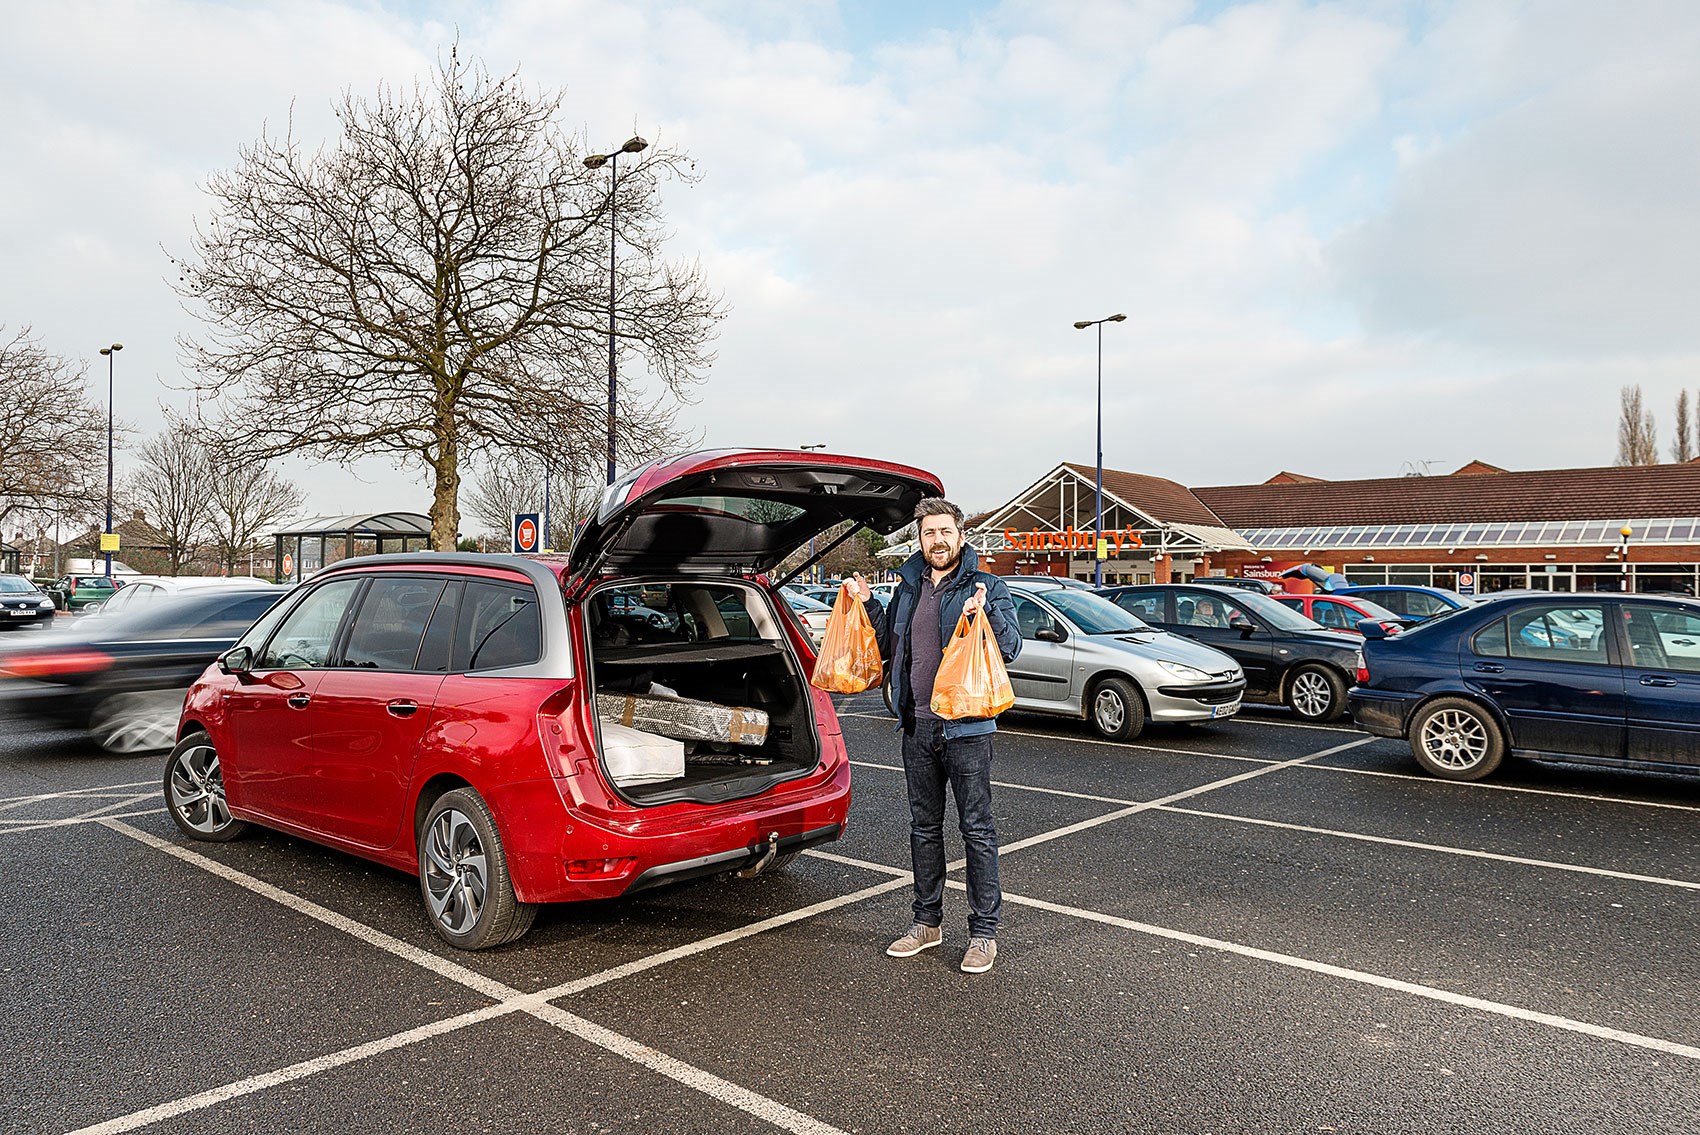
pixel 982 952
pixel 919 938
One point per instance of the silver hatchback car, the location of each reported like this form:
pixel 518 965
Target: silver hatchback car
pixel 1083 656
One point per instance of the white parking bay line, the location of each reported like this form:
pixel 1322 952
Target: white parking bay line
pixel 76 820
pixel 1488 786
pixel 1362 977
pixel 10 802
pixel 752 1103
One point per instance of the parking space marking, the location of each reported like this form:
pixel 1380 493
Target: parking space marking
pixel 1447 849
pixel 9 802
pixel 752 1103
pixel 76 820
pixel 1362 977
pixel 1481 784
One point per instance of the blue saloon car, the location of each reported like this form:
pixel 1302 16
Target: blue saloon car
pixel 1595 678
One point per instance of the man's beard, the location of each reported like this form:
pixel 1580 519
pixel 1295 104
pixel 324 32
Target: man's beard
pixel 949 565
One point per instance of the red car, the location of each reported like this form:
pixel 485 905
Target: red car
pixel 508 729
pixel 1344 612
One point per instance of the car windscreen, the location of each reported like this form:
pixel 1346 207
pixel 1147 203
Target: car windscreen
pixel 16 585
pixel 1093 614
pixel 1275 613
pixel 1373 610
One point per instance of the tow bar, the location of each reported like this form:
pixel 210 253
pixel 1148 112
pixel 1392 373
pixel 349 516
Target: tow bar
pixel 760 865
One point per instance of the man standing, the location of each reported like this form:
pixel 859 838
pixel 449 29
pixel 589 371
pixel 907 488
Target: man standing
pixel 937 584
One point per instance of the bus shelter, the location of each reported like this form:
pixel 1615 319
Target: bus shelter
pixel 310 546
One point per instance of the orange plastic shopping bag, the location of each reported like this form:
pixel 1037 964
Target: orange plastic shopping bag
pixel 972 681
pixel 849 658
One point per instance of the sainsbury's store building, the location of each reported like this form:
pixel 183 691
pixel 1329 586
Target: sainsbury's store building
pixel 1481 528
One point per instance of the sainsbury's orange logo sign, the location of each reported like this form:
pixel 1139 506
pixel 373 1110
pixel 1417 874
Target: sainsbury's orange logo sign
pixel 1039 540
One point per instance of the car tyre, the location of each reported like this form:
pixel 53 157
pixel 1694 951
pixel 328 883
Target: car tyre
pixel 1316 693
pixel 194 792
pixel 1116 710
pixel 463 875
pixel 885 692
pixel 1456 739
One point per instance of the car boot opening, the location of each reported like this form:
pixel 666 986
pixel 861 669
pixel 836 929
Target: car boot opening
pixel 699 695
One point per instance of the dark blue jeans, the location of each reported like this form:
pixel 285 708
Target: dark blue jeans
pixel 929 763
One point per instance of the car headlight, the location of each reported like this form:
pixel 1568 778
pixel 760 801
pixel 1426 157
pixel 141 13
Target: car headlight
pixel 45 604
pixel 1184 672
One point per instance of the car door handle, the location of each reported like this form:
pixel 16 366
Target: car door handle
pixel 1654 680
pixel 1489 668
pixel 299 701
pixel 402 708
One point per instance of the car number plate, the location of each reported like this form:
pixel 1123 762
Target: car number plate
pixel 1227 710
pixel 20 614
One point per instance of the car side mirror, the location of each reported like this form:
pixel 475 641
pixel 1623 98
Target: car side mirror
pixel 237 660
pixel 1245 626
pixel 1050 634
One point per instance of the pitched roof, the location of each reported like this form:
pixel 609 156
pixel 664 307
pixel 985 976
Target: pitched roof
pixel 1475 467
pixel 1285 477
pixel 1608 493
pixel 1162 500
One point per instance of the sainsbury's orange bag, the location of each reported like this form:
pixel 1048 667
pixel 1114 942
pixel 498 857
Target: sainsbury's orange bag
pixel 972 681
pixel 849 658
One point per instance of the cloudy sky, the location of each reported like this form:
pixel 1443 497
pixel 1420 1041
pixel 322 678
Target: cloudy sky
pixel 1349 238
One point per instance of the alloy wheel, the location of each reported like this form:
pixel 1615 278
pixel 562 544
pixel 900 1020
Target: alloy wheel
pixel 456 872
pixel 1312 696
pixel 1455 739
pixel 1108 711
pixel 197 790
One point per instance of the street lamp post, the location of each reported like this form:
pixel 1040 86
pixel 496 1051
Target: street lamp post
pixel 633 145
pixel 815 570
pixel 1098 524
pixel 109 352
pixel 1623 564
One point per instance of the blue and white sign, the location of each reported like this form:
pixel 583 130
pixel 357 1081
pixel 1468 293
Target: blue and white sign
pixel 528 532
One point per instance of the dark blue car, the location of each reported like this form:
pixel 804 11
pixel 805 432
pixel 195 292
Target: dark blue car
pixel 1596 678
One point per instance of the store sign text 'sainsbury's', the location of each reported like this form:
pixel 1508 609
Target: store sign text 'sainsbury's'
pixel 1041 541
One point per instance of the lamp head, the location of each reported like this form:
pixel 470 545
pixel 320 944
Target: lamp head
pixel 1082 324
pixel 634 145
pixel 1627 531
pixel 1117 318
pixel 595 161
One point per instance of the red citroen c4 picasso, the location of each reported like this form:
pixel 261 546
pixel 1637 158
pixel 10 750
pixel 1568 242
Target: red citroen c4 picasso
pixel 520 730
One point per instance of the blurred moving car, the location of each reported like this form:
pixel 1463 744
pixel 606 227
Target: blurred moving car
pixel 23 604
pixel 1593 679
pixel 1345 612
pixel 74 592
pixel 140 591
pixel 1287 658
pixel 123 677
pixel 812 613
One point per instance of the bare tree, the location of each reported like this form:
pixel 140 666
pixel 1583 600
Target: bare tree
pixel 52 438
pixel 1637 434
pixel 435 274
pixel 1683 448
pixel 246 499
pixel 173 484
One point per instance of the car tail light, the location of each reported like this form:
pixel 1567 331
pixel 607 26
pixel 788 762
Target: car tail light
pixel 55 663
pixel 585 869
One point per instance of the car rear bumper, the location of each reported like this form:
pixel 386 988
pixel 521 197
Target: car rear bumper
pixel 1378 712
pixel 555 843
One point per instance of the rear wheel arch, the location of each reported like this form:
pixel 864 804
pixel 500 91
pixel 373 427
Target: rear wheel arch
pixel 1481 703
pixel 434 789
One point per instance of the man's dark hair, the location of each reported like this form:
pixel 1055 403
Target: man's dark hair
pixel 938 506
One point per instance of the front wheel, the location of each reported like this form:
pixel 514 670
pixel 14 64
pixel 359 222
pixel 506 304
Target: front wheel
pixel 463 875
pixel 1116 710
pixel 1456 739
pixel 1316 693
pixel 194 792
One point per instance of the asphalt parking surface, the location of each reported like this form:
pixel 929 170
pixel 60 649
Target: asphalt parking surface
pixel 1251 927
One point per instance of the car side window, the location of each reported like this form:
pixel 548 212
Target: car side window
pixel 1490 640
pixel 308 634
pixel 1330 614
pixel 1424 605
pixel 1146 604
pixel 499 626
pixel 1296 604
pixel 1394 601
pixel 390 624
pixel 1661 639
pixel 1031 617
pixel 1205 611
pixel 1573 633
